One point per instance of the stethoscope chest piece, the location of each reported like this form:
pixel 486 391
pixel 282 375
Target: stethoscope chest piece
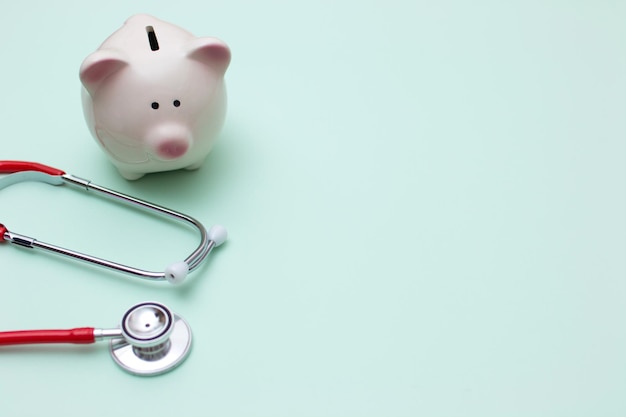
pixel 155 340
pixel 151 339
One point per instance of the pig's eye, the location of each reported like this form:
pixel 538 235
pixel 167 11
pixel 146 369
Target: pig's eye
pixel 176 103
pixel 155 105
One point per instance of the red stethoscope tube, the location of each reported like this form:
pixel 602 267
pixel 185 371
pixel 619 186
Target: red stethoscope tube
pixel 11 167
pixel 79 335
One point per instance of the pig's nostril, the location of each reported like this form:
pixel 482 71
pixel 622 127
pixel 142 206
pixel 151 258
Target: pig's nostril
pixel 172 149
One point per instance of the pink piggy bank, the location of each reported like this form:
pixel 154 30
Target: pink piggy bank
pixel 154 96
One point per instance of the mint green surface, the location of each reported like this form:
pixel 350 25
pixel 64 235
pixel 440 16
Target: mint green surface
pixel 425 203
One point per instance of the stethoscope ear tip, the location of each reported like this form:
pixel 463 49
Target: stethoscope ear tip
pixel 177 272
pixel 218 234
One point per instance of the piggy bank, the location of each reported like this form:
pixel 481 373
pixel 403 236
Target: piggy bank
pixel 154 96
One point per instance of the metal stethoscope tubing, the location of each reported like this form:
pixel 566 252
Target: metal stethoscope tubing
pixel 174 273
pixel 150 340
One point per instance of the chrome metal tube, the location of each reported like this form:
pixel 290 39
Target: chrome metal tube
pixel 174 273
pixel 193 260
pixel 100 334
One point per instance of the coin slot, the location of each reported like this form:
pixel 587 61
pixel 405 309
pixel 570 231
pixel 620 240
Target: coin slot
pixel 152 39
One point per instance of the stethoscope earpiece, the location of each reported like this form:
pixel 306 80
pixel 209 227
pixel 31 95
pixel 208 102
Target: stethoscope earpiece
pixel 175 273
pixel 151 339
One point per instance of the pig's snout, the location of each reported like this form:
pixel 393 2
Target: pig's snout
pixel 172 148
pixel 169 141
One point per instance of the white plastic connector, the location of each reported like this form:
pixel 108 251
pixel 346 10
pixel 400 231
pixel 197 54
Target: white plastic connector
pixel 177 272
pixel 218 234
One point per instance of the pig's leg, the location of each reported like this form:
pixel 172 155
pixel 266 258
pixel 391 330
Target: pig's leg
pixel 131 176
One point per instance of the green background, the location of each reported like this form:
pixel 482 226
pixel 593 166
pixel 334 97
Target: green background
pixel 425 203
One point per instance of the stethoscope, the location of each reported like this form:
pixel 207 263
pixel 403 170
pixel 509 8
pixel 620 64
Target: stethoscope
pixel 150 340
pixel 174 273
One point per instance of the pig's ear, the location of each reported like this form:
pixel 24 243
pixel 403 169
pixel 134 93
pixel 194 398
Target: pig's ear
pixel 98 66
pixel 210 51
